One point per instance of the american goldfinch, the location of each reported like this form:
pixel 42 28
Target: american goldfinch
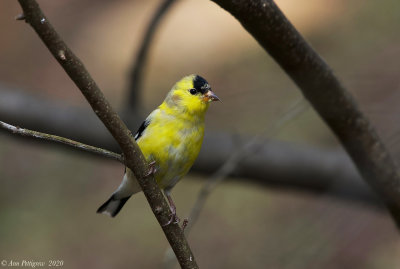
pixel 170 138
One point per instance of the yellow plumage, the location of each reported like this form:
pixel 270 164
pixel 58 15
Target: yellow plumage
pixel 171 136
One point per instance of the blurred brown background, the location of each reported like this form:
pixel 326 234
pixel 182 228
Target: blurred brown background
pixel 48 197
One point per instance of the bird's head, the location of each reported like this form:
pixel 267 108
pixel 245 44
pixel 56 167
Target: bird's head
pixel 192 94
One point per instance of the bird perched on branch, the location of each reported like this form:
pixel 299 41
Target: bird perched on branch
pixel 170 139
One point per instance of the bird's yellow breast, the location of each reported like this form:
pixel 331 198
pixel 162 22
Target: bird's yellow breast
pixel 173 141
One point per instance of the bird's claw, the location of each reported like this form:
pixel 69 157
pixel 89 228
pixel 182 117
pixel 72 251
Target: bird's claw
pixel 152 169
pixel 177 219
pixel 174 217
pixel 185 224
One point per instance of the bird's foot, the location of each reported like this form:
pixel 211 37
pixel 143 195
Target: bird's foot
pixel 174 217
pixel 185 223
pixel 152 169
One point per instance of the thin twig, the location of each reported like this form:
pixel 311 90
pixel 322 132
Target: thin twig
pixel 241 153
pixel 136 76
pixel 58 139
pixel 334 103
pixel 302 168
pixel 134 158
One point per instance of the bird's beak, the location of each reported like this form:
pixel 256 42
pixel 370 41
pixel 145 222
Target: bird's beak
pixel 210 96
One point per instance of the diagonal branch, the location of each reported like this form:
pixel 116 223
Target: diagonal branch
pixel 136 75
pixel 269 26
pixel 276 164
pixel 58 139
pixel 241 152
pixel 134 158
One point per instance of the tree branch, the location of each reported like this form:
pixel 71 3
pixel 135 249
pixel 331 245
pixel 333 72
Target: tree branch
pixel 58 139
pixel 136 74
pixel 274 164
pixel 37 112
pixel 134 158
pixel 241 152
pixel 269 26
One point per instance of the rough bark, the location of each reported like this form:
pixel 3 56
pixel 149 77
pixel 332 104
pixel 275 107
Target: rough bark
pixel 273 31
pixel 134 158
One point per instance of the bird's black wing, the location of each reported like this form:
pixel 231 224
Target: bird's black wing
pixel 138 134
pixel 142 127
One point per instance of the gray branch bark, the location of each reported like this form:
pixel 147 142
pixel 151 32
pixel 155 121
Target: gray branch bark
pixel 133 156
pixel 337 107
pixel 136 73
pixel 274 164
pixel 62 140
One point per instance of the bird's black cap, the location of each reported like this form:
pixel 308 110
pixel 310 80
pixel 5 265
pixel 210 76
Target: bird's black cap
pixel 200 84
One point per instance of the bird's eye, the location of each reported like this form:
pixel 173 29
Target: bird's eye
pixel 193 91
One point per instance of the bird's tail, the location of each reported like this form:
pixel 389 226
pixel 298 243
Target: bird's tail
pixel 112 206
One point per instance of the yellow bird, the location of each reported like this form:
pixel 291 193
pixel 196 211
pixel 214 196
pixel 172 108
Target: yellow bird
pixel 170 138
